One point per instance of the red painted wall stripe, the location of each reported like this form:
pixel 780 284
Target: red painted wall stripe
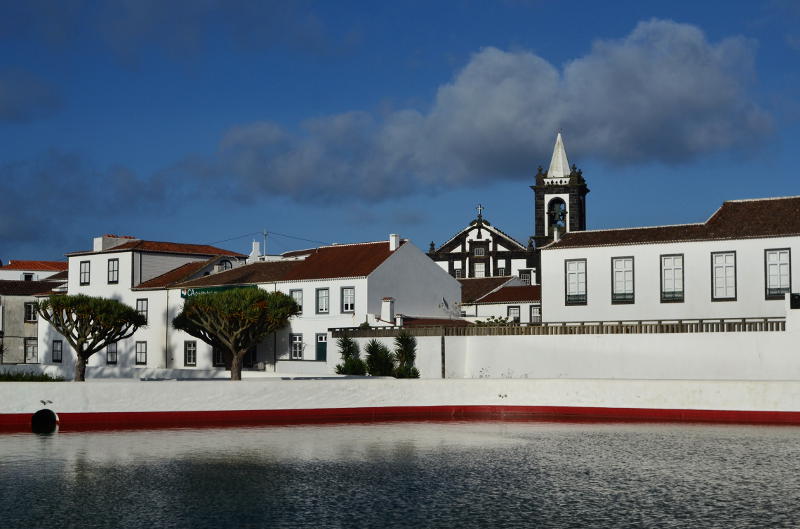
pixel 168 419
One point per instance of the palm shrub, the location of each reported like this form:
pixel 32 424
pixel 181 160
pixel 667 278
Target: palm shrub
pixel 352 364
pixel 380 360
pixel 405 352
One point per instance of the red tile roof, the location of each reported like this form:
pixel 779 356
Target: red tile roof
pixel 513 294
pixel 45 266
pixel 24 288
pixel 474 288
pixel 261 272
pixel 58 276
pixel 176 275
pixel 166 247
pixel 736 219
pixel 346 260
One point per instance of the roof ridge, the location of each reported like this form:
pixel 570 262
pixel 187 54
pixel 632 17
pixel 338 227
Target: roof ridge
pixel 638 228
pixel 761 199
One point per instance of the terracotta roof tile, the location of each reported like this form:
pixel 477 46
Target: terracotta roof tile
pixel 474 288
pixel 58 276
pixel 166 247
pixel 261 272
pixel 346 260
pixel 176 275
pixel 44 266
pixel 24 288
pixel 736 219
pixel 513 294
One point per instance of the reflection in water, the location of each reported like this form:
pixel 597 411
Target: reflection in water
pixel 406 475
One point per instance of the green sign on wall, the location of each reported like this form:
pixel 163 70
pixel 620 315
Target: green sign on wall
pixel 189 292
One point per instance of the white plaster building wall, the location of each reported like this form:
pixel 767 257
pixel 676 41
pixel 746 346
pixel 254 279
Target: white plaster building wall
pixel 419 287
pixel 519 264
pixel 482 311
pixel 750 281
pixel 150 265
pixel 19 275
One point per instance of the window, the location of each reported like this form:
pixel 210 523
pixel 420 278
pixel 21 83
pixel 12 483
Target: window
pixel 141 353
pixel 778 269
pixel 479 251
pixel 622 280
pixel 27 277
pixel 217 357
pixel 297 296
pixel 348 299
pixel 31 351
pixel 30 311
pixel 480 270
pixel 671 278
pixel 575 278
pixel 141 308
pixel 296 346
pixel 536 314
pixel 501 270
pixel 84 275
pixel 723 276
pixel 322 347
pixel 113 271
pixel 111 354
pixel 225 264
pixel 525 276
pixel 322 300
pixel 513 314
pixel 459 272
pixel 57 352
pixel 190 353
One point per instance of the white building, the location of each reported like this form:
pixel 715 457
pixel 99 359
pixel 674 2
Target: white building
pixel 16 270
pixel 336 286
pixel 737 264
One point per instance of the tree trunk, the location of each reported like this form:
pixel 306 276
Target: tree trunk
pixel 236 366
pixel 80 369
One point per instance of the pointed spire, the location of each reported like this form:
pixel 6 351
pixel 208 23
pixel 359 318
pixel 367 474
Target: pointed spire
pixel 559 166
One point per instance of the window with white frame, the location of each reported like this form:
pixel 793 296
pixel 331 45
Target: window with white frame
pixel 459 272
pixel 513 314
pixel 479 251
pixel 113 271
pixel 622 280
pixel 57 352
pixel 480 270
pixel 323 299
pixel 141 353
pixel 536 314
pixel 525 276
pixel 348 299
pixel 31 351
pixel 671 278
pixel 297 296
pixel 30 311
pixel 723 276
pixel 190 353
pixel 501 270
pixel 296 346
pixel 778 267
pixel 141 308
pixel 85 269
pixel 111 354
pixel 575 279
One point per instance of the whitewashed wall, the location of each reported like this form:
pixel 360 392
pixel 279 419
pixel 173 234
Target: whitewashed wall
pixel 750 281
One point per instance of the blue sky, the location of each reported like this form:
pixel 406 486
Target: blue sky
pixel 203 121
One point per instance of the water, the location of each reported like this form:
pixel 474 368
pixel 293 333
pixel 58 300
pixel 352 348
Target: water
pixel 474 474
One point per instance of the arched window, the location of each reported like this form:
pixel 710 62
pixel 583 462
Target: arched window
pixel 557 214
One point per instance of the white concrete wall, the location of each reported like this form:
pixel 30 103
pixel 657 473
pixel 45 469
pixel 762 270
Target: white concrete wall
pixel 418 285
pixel 750 281
pixel 482 311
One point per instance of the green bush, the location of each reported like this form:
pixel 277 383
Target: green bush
pixel 405 353
pixel 6 376
pixel 380 360
pixel 351 358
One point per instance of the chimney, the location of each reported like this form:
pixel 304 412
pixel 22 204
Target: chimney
pixel 109 241
pixel 255 253
pixel 555 233
pixel 394 242
pixel 387 310
pixel 398 320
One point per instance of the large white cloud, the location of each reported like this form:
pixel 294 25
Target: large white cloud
pixel 664 93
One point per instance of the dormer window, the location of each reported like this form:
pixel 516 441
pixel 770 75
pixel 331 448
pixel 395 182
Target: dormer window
pixel 479 252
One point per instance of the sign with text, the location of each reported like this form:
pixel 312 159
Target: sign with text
pixel 189 292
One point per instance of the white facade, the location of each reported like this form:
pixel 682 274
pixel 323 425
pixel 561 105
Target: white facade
pixel 739 289
pixel 25 271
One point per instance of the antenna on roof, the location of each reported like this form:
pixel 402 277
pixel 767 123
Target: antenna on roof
pixel 265 232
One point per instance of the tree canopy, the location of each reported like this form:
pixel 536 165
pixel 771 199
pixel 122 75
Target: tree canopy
pixel 89 323
pixel 235 321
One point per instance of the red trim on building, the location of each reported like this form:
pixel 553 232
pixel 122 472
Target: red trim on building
pixel 172 419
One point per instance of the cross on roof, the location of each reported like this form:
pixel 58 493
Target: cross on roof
pixel 480 209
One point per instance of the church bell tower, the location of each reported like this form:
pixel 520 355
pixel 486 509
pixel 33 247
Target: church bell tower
pixel 559 198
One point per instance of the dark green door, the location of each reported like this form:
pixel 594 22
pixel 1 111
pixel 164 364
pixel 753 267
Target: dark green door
pixel 322 347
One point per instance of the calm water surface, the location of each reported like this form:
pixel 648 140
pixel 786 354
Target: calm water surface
pixel 473 474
